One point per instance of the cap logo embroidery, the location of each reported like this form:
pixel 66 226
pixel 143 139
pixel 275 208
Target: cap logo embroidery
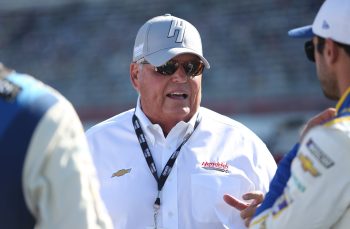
pixel 218 166
pixel 180 27
pixel 325 25
pixel 121 172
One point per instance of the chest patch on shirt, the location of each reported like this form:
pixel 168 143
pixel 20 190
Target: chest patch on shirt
pixel 121 172
pixel 218 166
pixel 308 165
pixel 323 158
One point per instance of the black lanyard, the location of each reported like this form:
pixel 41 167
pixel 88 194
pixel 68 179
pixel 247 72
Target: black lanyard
pixel 149 159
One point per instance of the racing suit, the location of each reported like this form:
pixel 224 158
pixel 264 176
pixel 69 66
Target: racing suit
pixel 316 191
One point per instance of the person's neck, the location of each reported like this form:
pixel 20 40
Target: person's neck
pixel 168 122
pixel 167 125
pixel 344 84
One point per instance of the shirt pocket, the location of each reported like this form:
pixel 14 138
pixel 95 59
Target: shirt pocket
pixel 207 194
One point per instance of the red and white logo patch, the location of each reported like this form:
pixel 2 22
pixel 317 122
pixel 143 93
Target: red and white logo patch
pixel 218 166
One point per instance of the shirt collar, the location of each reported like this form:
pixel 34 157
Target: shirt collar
pixel 343 106
pixel 149 128
pixel 145 122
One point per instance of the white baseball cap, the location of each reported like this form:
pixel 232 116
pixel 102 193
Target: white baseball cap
pixel 164 37
pixel 332 21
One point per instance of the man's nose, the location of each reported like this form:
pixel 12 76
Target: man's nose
pixel 180 75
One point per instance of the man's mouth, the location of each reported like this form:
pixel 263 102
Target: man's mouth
pixel 177 95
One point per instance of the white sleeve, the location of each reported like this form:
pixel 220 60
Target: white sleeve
pixel 317 194
pixel 59 179
pixel 265 168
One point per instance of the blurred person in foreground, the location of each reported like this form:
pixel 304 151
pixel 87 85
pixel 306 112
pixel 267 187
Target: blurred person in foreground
pixel 47 174
pixel 311 188
pixel 168 162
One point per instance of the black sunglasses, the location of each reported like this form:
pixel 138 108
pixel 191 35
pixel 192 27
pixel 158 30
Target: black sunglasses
pixel 309 48
pixel 192 68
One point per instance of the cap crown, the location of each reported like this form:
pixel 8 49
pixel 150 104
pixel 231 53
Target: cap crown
pixel 163 37
pixel 333 21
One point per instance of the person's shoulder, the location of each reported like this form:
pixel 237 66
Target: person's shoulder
pixel 335 131
pixel 341 123
pixel 333 137
pixel 31 89
pixel 334 128
pixel 219 119
pixel 25 94
pixel 118 121
pixel 219 122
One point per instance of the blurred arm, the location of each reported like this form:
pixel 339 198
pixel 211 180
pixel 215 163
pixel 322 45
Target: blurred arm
pixel 59 179
pixel 316 195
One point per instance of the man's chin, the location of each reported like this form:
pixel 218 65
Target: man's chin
pixel 331 96
pixel 182 114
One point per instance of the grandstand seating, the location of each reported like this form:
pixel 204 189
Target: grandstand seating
pixel 84 49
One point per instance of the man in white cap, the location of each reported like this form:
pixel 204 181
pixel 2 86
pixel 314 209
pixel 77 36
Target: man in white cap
pixel 312 189
pixel 168 162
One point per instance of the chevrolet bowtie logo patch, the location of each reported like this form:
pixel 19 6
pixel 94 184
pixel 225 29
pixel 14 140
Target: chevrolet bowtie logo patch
pixel 121 172
pixel 218 166
pixel 308 166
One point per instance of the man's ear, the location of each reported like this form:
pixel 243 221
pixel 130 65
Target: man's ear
pixel 134 75
pixel 331 51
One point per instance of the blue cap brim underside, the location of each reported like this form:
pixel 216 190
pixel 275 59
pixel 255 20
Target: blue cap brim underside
pixel 302 32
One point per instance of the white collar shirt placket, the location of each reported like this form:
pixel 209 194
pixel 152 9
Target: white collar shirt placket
pixel 162 148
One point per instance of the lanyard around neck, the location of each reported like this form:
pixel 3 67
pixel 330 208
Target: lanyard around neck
pixel 149 159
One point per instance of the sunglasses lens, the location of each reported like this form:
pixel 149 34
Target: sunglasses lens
pixel 310 50
pixel 193 68
pixel 168 69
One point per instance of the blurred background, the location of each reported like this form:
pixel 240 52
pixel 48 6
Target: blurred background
pixel 258 75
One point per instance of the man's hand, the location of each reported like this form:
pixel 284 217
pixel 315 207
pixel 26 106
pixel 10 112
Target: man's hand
pixel 318 119
pixel 247 210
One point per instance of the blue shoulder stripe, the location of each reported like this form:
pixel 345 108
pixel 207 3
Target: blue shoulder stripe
pixel 34 98
pixel 279 181
pixel 23 114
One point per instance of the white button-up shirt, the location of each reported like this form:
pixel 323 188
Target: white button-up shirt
pixel 221 156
